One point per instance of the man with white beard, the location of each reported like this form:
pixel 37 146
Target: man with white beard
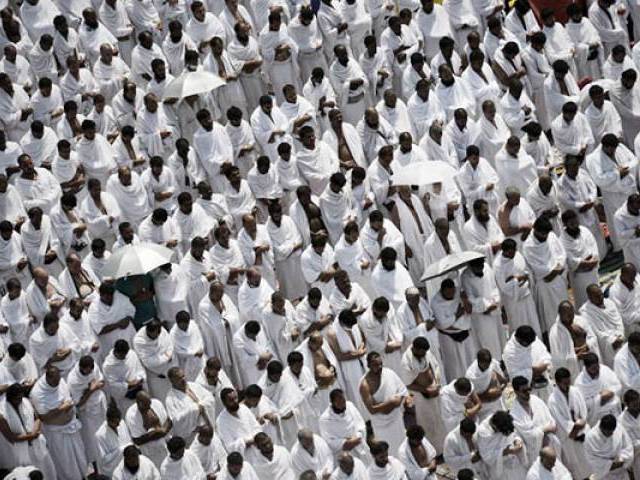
pixel 532 421
pixel 478 282
pixel 600 389
pixel 626 297
pixel 189 405
pixel 86 385
pixel 512 278
pixel 52 401
pixel 603 316
pixel 547 259
pixel 582 256
pixel 627 224
pixel 383 395
pixel 613 168
pixel 420 371
pixel 608 449
pixel 482 232
pixel 488 382
pixel 525 355
pixel 502 450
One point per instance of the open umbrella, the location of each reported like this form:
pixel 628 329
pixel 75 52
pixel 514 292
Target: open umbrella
pixel 192 83
pixel 450 263
pixel 423 173
pixel 136 260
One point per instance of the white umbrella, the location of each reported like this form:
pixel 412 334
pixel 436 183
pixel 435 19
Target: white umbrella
pixel 449 263
pixel 192 83
pixel 136 260
pixel 423 173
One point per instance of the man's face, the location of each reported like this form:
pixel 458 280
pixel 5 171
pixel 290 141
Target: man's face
pixel 524 393
pixel 593 370
pixel 346 464
pixel 265 446
pixel 231 402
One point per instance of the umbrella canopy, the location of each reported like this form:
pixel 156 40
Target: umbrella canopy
pixel 136 260
pixel 423 173
pixel 192 83
pixel 450 263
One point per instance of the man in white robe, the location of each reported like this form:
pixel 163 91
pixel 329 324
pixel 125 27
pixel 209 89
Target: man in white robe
pixel 189 405
pixel 609 449
pixel 478 282
pixel 148 425
pixel 582 256
pixel 460 448
pixel 532 421
pixel 154 348
pixel 343 427
pixel 86 385
pixel 19 422
pixel 181 463
pixel 52 401
pixel 384 466
pixel 420 372
pixel 383 394
pixel 390 278
pixel 624 294
pixel 613 168
pixel 478 180
pixel 515 286
pixel 112 437
pixel 312 453
pixel 600 388
pixel 136 466
pixel 37 186
pixel 382 333
pixel 253 352
pixel 269 460
pixel 482 232
pixel 626 222
pixel 548 465
pixel 488 382
pixel 547 259
pixel 54 344
pixel 525 355
pixel 14 108
pixel 350 84
pixel 111 318
pixel 502 450
pixel 604 318
pixel 577 191
pixel 602 115
pixel 130 194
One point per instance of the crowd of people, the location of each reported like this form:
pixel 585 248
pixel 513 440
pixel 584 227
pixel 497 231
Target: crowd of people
pixel 298 330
